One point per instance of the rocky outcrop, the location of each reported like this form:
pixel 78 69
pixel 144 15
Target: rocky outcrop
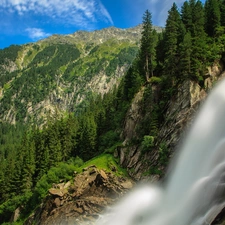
pixel 80 201
pixel 183 107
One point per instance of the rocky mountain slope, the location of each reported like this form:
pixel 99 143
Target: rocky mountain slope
pixel 61 73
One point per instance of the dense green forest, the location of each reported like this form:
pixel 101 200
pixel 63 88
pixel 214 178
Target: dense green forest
pixel 57 72
pixel 31 158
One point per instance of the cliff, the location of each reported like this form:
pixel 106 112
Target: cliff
pixel 178 116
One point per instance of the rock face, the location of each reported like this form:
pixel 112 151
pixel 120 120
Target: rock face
pixel 179 115
pixel 82 201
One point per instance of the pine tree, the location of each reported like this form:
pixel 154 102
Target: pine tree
pixel 54 145
pixel 87 136
pixel 22 180
pixel 68 132
pixel 28 168
pixel 160 53
pixel 16 181
pixel 9 173
pixel 39 142
pixel 185 50
pixel 222 10
pixel 147 49
pixel 198 19
pixel 132 81
pixel 186 16
pixel 172 38
pixel 213 17
pixel 198 41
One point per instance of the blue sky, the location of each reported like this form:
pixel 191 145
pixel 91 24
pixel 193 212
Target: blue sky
pixel 23 21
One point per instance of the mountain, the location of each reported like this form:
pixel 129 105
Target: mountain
pixel 92 100
pixel 61 73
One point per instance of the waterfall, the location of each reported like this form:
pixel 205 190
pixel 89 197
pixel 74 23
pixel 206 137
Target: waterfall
pixel 194 191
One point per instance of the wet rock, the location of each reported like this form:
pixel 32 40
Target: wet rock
pixel 127 185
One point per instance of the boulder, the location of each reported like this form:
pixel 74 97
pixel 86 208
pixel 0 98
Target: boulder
pixel 82 201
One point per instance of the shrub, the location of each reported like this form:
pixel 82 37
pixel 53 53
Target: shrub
pixel 147 143
pixel 62 172
pixel 163 154
pixel 155 80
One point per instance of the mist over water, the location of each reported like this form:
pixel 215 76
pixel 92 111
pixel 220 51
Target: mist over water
pixel 195 189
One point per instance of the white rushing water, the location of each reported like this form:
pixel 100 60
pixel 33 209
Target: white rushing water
pixel 195 189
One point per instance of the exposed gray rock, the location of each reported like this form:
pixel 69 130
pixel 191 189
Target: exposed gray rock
pixel 180 113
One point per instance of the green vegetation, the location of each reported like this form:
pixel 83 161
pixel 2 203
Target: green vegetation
pixel 147 143
pixel 10 53
pixel 46 155
pixel 147 50
pixel 63 172
pixel 47 70
pixel 32 157
pixel 106 162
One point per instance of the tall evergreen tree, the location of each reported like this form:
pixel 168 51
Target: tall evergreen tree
pixel 213 17
pixel 198 41
pixel 132 81
pixel 54 144
pixel 87 136
pixel 185 55
pixel 198 20
pixel 222 10
pixel 172 38
pixel 186 16
pixel 147 48
pixel 28 168
pixel 160 53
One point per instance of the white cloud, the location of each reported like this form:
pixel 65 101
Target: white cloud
pixel 105 13
pixel 72 12
pixel 36 33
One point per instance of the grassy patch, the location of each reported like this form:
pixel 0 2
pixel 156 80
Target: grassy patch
pixel 106 162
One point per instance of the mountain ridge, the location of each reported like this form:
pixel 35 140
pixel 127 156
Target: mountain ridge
pixel 68 64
